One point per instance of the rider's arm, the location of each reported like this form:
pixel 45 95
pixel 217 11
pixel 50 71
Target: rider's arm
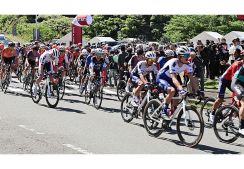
pixel 175 81
pixel 142 78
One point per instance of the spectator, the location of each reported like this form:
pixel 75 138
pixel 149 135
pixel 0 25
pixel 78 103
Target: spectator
pixel 236 44
pixel 113 69
pixel 121 62
pixel 198 72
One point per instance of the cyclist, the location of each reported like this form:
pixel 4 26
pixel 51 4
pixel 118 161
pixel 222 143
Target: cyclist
pixel 9 56
pixel 81 60
pixel 45 63
pixel 167 77
pixel 138 75
pixel 169 54
pixel 86 68
pixel 63 60
pixel 96 67
pixel 32 56
pixel 237 85
pixel 224 82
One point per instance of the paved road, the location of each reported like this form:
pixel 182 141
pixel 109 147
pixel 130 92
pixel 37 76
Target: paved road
pixel 74 127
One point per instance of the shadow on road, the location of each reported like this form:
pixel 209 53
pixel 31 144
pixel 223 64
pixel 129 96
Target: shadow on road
pixel 17 94
pixel 205 148
pixel 65 109
pixel 72 100
pixel 110 110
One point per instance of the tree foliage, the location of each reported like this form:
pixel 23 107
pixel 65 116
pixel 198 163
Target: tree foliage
pixel 161 28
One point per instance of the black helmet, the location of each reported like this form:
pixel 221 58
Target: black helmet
pixel 11 44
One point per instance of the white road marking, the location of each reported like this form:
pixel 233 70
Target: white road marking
pixel 30 129
pixel 109 91
pixel 73 86
pixel 68 91
pixel 15 89
pixel 77 149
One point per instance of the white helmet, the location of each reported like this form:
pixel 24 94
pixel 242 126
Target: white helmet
pixel 99 51
pixel 150 55
pixel 169 53
pixel 182 50
pixel 55 53
pixel 84 52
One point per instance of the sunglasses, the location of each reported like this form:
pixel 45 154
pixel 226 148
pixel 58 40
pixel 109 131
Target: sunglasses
pixel 151 60
pixel 186 55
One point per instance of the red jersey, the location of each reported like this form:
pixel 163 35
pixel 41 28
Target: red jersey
pixel 229 73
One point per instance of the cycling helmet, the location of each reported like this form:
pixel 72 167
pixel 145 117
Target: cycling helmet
pixel 55 53
pixel 84 52
pixel 11 44
pixel 61 49
pixel 169 53
pixel 93 51
pixel 182 50
pixel 99 51
pixel 150 55
pixel 77 49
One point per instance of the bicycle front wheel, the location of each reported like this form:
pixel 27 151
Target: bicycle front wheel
pixel 52 96
pixel 61 88
pixel 121 89
pixel 226 124
pixel 35 98
pixel 152 127
pixel 98 97
pixel 190 126
pixel 127 108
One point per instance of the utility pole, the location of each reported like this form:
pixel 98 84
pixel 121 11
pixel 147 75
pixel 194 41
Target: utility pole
pixel 36 32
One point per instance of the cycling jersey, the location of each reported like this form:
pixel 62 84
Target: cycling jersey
pixel 63 58
pixel 45 58
pixel 172 67
pixel 239 75
pixel 229 73
pixel 88 60
pixel 81 61
pixel 97 66
pixel 8 53
pixel 142 68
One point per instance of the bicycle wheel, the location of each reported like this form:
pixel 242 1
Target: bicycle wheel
pixel 82 87
pixel 98 97
pixel 61 89
pixel 226 124
pixel 6 84
pixel 121 89
pixel 52 96
pixel 126 108
pixel 87 96
pixel 206 109
pixel 152 127
pixel 190 126
pixel 38 97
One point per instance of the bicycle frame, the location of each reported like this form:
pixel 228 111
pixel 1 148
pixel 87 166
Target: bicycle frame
pixel 181 106
pixel 145 100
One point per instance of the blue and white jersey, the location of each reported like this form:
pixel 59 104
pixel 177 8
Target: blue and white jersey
pixel 142 68
pixel 172 67
pixel 45 57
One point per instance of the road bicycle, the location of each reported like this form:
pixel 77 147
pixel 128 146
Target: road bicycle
pixel 128 111
pixel 226 122
pixel 48 89
pixel 95 93
pixel 61 82
pixel 6 77
pixel 121 87
pixel 189 122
